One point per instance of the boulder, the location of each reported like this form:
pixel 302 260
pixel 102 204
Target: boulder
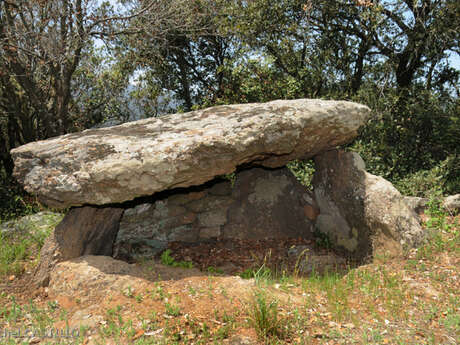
pixel 37 225
pixel 362 214
pixel 116 164
pixel 419 205
pixel 93 276
pixel 83 231
pixel 452 203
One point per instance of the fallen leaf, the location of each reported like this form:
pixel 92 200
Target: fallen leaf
pixel 139 334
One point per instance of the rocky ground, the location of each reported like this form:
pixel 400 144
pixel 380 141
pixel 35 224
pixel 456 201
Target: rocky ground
pixel 241 292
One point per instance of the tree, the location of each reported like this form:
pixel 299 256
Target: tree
pixel 334 45
pixel 45 45
pixel 187 63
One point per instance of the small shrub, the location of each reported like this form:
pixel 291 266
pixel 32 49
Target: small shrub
pixel 214 270
pixel 168 260
pixel 322 240
pixel 247 273
pixel 441 235
pixel 262 273
pixel 15 201
pixel 443 178
pixel 22 239
pixel 303 171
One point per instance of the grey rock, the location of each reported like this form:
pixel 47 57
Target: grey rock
pixel 213 218
pixel 208 233
pixel 268 203
pixel 209 203
pixel 417 204
pixel 184 233
pixel 452 203
pixel 83 231
pixel 361 213
pixel 221 188
pixel 116 164
pixel 37 224
pixel 319 263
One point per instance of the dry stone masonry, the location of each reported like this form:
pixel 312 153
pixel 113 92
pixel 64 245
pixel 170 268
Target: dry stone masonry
pixel 140 185
pixel 262 203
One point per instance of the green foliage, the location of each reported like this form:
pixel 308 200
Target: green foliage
pixel 12 254
pixel 436 213
pixel 230 177
pixel 23 238
pixel 442 235
pixel 214 270
pixel 172 310
pixel 303 171
pixel 264 316
pixel 425 183
pixel 168 260
pixel 247 273
pixel 15 201
pixel 322 240
pixel 413 138
pixel 263 273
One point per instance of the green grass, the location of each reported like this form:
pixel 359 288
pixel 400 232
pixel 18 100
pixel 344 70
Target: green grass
pixel 22 239
pixel 168 260
pixel 442 236
pixel 261 274
pixel 264 316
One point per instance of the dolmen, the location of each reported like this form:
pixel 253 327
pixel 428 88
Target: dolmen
pixel 217 173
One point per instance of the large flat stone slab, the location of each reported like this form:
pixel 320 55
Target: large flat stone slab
pixel 116 164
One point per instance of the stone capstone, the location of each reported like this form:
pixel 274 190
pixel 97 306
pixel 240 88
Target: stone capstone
pixel 117 164
pixel 361 213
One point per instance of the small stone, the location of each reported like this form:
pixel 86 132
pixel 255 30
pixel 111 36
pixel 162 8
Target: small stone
pixel 311 212
pixel 213 218
pixel 208 233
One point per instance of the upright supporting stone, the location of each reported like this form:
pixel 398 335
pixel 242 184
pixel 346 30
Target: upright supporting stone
pixel 83 231
pixel 269 203
pixel 362 214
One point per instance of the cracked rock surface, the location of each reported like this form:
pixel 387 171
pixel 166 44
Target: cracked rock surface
pixel 116 164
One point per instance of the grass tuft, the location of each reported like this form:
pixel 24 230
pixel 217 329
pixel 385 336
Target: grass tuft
pixel 264 316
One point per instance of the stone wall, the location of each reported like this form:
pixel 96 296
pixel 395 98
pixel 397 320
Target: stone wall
pixel 262 203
